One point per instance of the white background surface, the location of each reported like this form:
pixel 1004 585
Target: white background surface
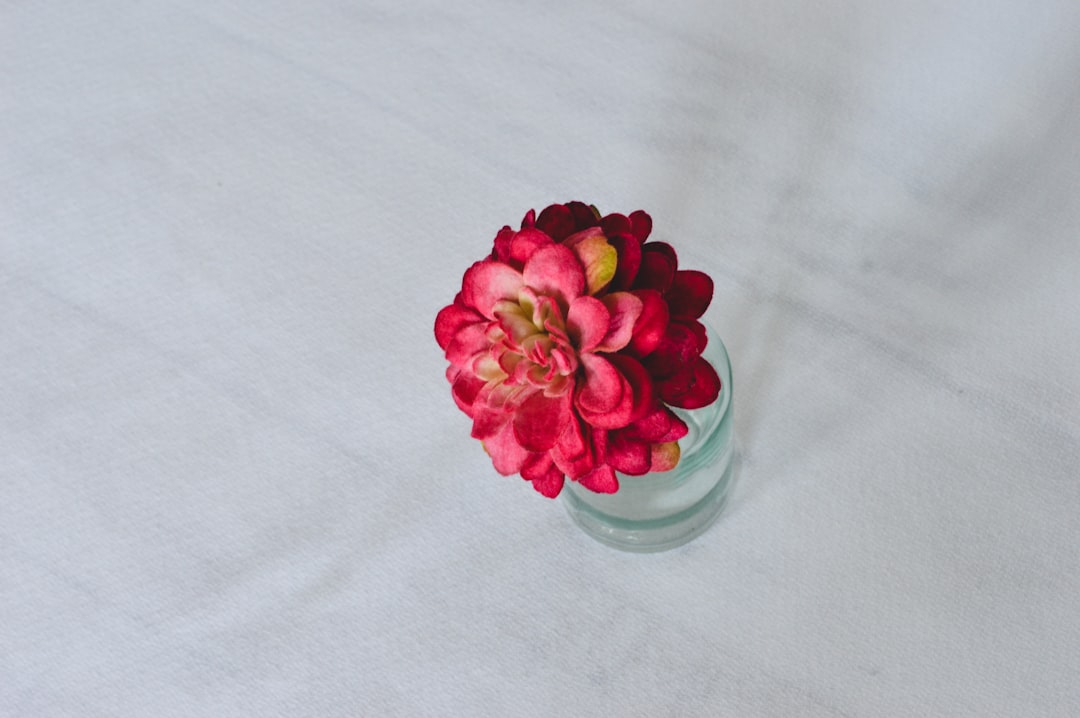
pixel 232 479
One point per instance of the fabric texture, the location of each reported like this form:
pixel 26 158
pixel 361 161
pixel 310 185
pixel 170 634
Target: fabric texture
pixel 233 481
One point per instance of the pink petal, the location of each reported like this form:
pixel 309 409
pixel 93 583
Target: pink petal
pixel 557 221
pixel 627 455
pixel 650 327
pixel 587 322
pixel 525 244
pixel 599 258
pixel 467 343
pixel 603 386
pixel 488 282
pixel 601 480
pixel 506 454
pixel 501 248
pixel 658 264
pixel 450 320
pixel 690 294
pixel 555 271
pixel 641 225
pixel 630 383
pixel 665 457
pixel 540 420
pixel 623 309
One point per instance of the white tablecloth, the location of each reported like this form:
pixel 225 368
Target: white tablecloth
pixel 233 481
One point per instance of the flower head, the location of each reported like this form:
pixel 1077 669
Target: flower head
pixel 569 343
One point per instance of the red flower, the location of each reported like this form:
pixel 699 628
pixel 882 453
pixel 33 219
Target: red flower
pixel 567 342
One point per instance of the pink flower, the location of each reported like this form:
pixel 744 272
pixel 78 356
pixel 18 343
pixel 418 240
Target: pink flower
pixel 565 344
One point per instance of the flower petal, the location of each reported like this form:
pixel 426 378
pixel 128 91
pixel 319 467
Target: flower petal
pixel 603 387
pixel 555 271
pixel 658 265
pixel 488 282
pixel 601 480
pixel 628 455
pixel 525 244
pixel 651 324
pixel 615 223
pixel 501 246
pixel 676 352
pixel 572 452
pixel 623 309
pixel 694 388
pixel 506 454
pixel 557 221
pixel 665 457
pixel 587 322
pixel 464 389
pixel 690 294
pixel 641 225
pixel 544 475
pixel 584 215
pixel 469 340
pixel 450 320
pixel 599 258
pixel 540 419
pixel 629 250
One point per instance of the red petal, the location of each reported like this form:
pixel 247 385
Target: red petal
pixel 699 332
pixel 615 224
pixel 540 419
pixel 584 215
pixel 658 264
pixel 690 294
pixel 488 282
pixel 641 225
pixel 629 250
pixel 651 325
pixel 678 430
pixel 627 455
pixel 677 351
pixel 506 454
pixel 488 422
pixel 641 386
pixel 654 424
pixel 464 390
pixel 572 453
pixel 555 271
pixel 450 320
pixel 557 221
pixel 550 484
pixel 601 480
pixel 587 322
pixel 695 388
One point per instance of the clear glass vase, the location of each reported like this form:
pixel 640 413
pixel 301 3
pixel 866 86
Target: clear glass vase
pixel 662 510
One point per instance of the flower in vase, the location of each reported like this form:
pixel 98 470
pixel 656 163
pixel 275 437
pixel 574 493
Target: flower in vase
pixel 569 344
